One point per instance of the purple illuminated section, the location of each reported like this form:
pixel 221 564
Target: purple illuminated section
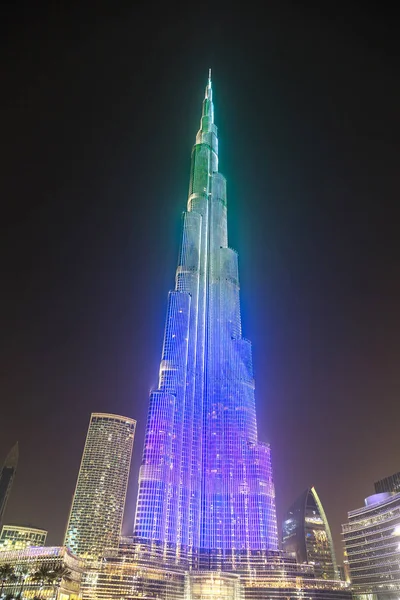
pixel 205 483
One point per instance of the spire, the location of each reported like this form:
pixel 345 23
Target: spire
pixel 208 94
pixel 207 115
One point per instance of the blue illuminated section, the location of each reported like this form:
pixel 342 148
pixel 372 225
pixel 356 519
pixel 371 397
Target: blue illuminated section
pixel 205 484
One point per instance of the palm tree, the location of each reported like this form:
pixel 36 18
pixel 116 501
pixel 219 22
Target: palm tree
pixel 13 580
pixel 42 576
pixel 22 575
pixel 59 573
pixel 51 575
pixel 6 574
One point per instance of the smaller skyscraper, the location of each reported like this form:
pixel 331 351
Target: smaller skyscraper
pixel 388 484
pixel 372 541
pixel 15 537
pixel 97 510
pixel 306 533
pixel 7 475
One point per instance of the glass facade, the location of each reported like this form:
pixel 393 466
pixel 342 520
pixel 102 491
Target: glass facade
pixel 388 484
pixel 205 484
pixel 206 585
pixel 13 537
pixel 372 541
pixel 128 573
pixel 306 533
pixel 125 573
pixel 98 505
pixel 122 574
pixel 7 475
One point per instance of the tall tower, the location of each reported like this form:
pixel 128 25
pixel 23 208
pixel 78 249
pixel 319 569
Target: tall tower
pixel 306 532
pixel 97 509
pixel 7 475
pixel 205 484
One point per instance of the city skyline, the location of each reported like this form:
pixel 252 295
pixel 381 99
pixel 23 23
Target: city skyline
pixel 94 180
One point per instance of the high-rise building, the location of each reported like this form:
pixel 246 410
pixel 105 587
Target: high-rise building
pixel 205 484
pixel 95 519
pixel 15 537
pixel 372 540
pixel 388 484
pixel 7 475
pixel 306 533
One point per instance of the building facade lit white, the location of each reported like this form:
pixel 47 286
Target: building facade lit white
pixel 25 564
pixel 15 537
pixel 97 510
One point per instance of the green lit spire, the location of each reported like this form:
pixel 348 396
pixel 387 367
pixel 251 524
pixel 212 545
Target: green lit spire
pixel 208 94
pixel 208 131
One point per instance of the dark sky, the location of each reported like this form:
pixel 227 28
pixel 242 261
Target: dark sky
pixel 100 106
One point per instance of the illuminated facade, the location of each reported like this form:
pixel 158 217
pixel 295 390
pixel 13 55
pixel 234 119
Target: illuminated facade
pixel 7 475
pixel 25 563
pixel 306 533
pixel 98 505
pixel 206 585
pixel 372 540
pixel 123 574
pixel 122 577
pixel 14 537
pixel 205 484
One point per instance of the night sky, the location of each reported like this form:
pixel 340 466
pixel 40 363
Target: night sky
pixel 100 106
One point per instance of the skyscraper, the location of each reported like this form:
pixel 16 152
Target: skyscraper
pixel 205 484
pixel 388 484
pixel 306 533
pixel 98 505
pixel 7 475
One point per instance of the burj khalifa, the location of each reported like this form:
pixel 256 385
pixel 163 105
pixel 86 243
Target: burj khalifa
pixel 206 491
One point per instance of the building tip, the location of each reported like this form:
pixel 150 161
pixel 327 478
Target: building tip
pixel 208 94
pixel 12 456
